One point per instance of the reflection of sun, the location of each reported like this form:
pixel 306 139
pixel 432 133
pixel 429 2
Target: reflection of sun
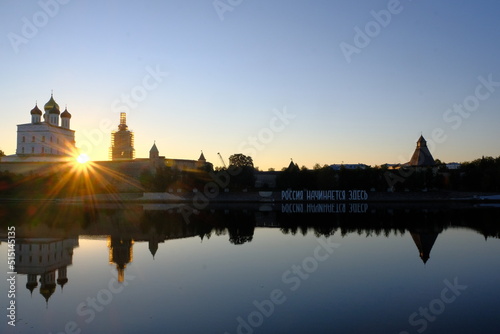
pixel 82 158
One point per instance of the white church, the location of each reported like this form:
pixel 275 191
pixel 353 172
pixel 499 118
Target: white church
pixel 47 139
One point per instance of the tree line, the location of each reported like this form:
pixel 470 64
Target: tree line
pixel 478 175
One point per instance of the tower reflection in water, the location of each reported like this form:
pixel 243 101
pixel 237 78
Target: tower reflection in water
pixel 45 260
pixel 41 258
pixel 120 253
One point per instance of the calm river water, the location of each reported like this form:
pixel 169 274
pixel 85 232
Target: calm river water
pixel 252 269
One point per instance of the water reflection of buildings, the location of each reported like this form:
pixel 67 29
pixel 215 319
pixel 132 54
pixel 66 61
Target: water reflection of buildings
pixel 43 257
pixel 121 253
pixel 121 249
pixel 424 240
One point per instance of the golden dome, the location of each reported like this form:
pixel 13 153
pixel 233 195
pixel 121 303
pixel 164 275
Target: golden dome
pixel 54 110
pixel 66 113
pixel 36 111
pixel 51 104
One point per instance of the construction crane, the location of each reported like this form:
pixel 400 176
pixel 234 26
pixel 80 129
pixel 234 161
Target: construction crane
pixel 223 163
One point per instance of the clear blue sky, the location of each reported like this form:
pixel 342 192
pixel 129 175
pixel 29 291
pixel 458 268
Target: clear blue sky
pixel 226 78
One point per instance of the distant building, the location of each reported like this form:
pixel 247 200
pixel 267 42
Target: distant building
pixel 392 166
pixel 156 161
pixel 292 167
pixel 154 157
pixel 422 156
pixel 47 145
pixel 348 166
pixel 122 141
pixel 47 139
pixel 453 165
pixel 265 179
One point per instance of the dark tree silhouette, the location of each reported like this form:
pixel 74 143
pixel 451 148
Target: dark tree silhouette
pixel 240 160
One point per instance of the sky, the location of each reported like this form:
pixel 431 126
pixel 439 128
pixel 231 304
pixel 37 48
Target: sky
pixel 316 81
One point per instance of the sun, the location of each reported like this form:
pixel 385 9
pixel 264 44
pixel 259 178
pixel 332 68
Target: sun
pixel 82 158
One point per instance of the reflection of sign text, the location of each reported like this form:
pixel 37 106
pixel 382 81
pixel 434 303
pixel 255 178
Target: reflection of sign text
pixel 324 195
pixel 324 208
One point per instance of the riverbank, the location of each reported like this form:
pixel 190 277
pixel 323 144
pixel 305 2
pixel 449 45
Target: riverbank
pixel 272 196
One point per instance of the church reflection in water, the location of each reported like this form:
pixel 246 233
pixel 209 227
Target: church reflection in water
pixel 44 252
pixel 41 258
pixel 121 253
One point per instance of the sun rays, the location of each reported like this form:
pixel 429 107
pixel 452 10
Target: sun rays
pixel 78 179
